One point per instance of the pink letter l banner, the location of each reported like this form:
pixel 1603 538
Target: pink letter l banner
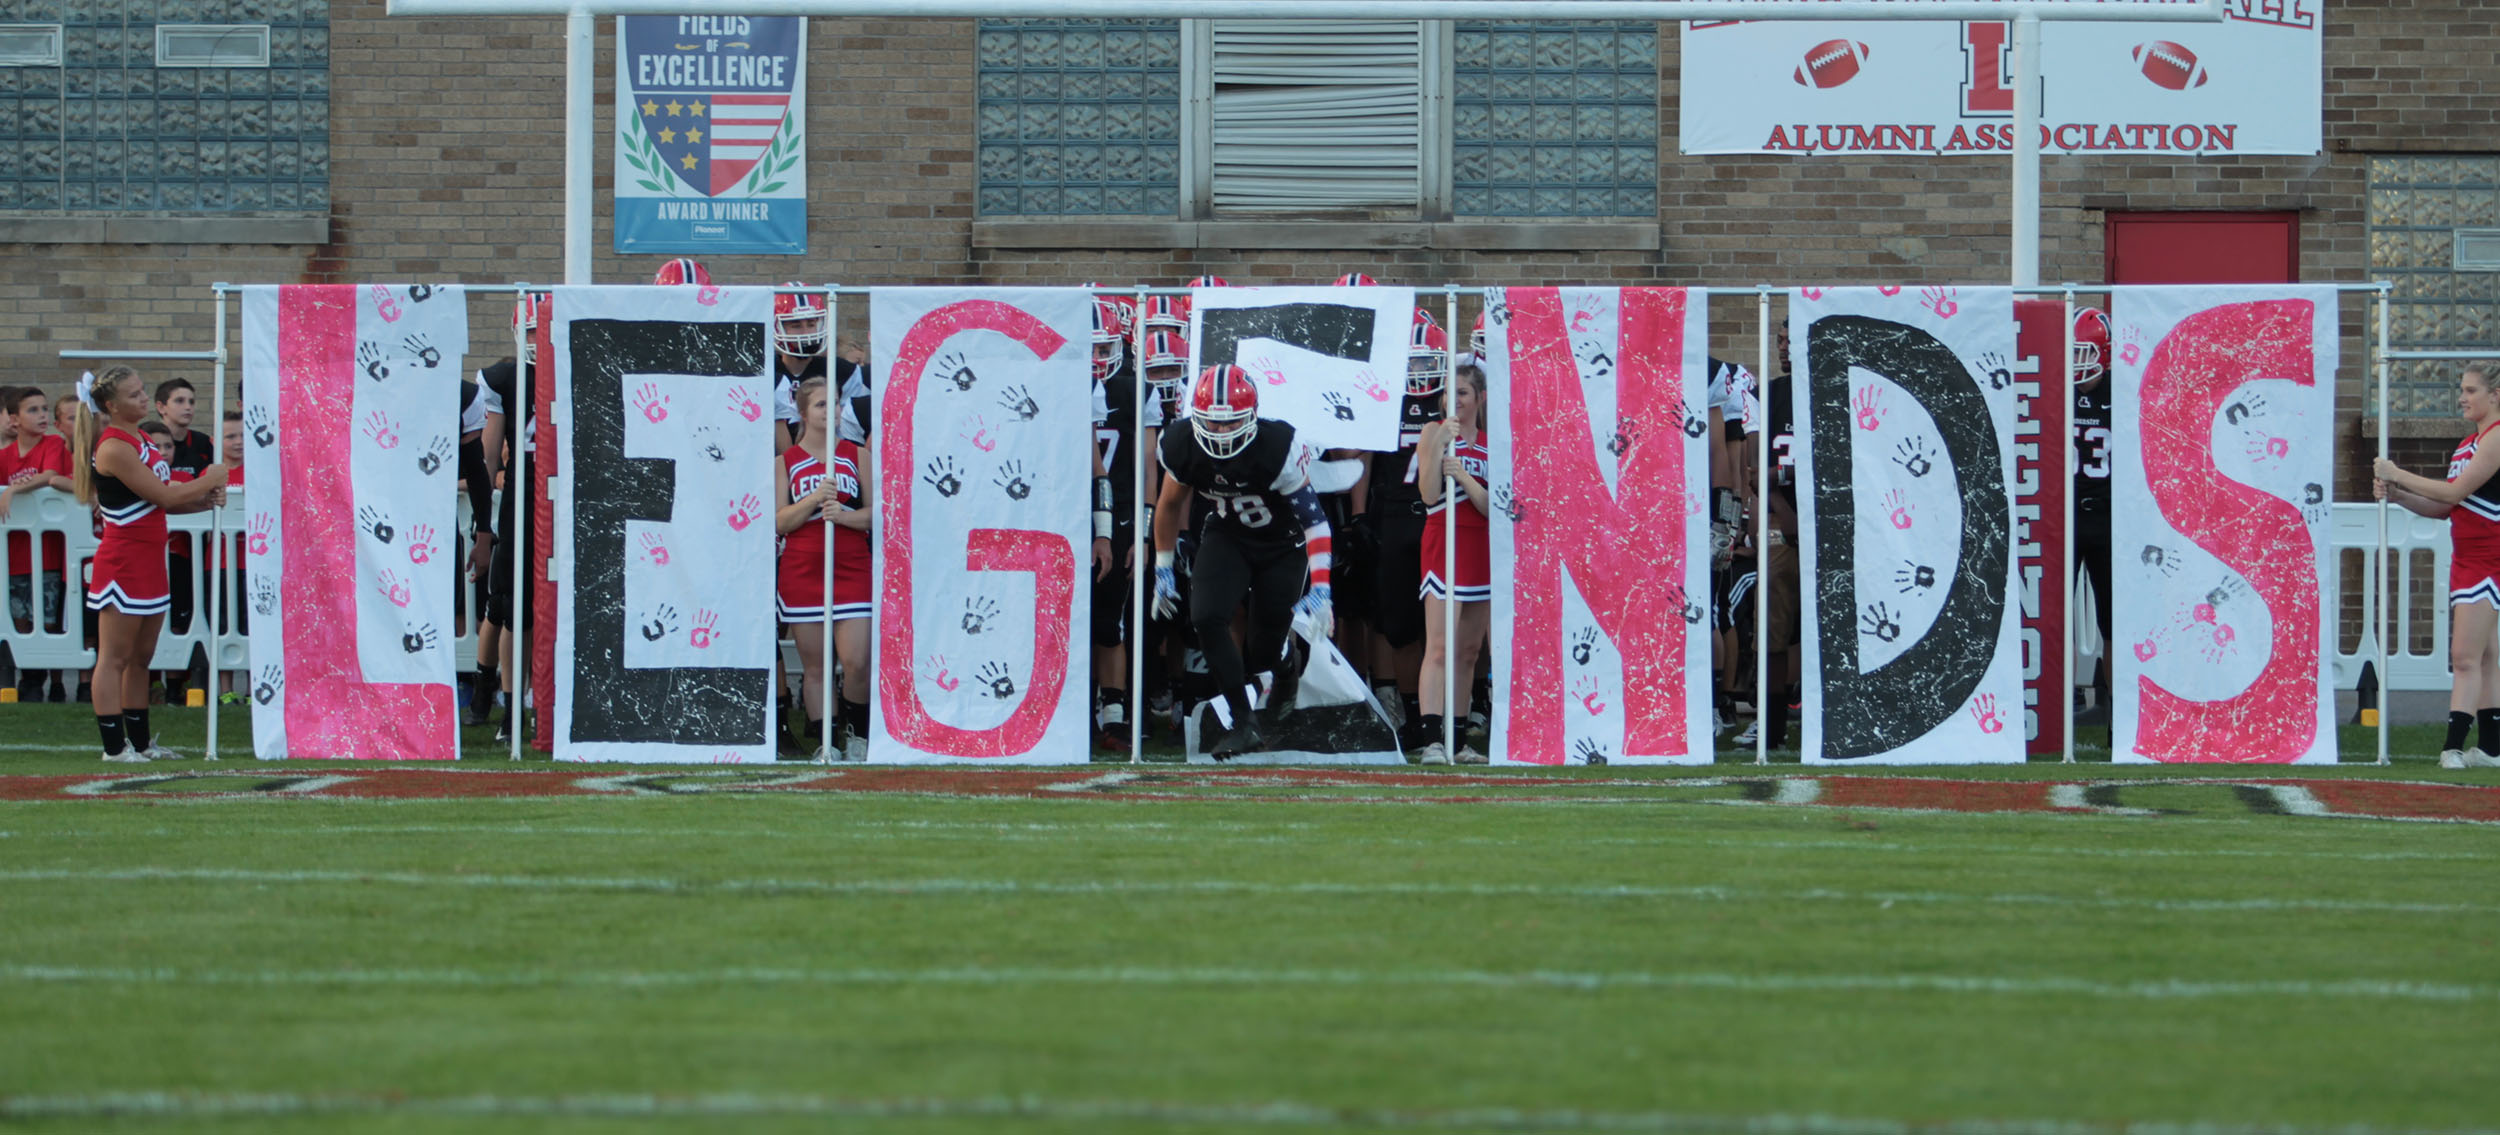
pixel 2220 499
pixel 352 425
pixel 1601 463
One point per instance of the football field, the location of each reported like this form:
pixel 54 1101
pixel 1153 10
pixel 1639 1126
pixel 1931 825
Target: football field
pixel 254 947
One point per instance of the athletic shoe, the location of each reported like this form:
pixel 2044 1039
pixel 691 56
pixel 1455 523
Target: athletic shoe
pixel 2476 758
pixel 855 749
pixel 86 692
pixel 1467 755
pixel 161 753
pixel 127 757
pixel 503 731
pixel 1434 754
pixel 232 697
pixel 478 708
pixel 2452 758
pixel 1243 737
pixel 1718 724
pixel 1752 733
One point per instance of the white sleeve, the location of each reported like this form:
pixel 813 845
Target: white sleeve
pixel 491 402
pixel 1102 404
pixel 473 414
pixel 1154 410
pixel 1743 402
pixel 1297 471
pixel 786 400
pixel 850 428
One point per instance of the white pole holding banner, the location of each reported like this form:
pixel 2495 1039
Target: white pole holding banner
pixel 1449 528
pixel 825 703
pixel 516 419
pixel 580 73
pixel 1762 692
pixel 2066 546
pixel 2026 80
pixel 219 606
pixel 2378 566
pixel 1139 553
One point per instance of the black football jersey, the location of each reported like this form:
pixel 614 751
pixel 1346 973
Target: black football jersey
pixel 1115 437
pixel 1251 491
pixel 1393 474
pixel 1783 440
pixel 2089 460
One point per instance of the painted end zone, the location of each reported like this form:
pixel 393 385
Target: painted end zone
pixel 2417 801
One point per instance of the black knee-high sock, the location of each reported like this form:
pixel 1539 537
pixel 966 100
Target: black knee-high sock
pixel 1428 726
pixel 2487 731
pixel 135 727
pixel 109 725
pixel 2458 722
pixel 855 718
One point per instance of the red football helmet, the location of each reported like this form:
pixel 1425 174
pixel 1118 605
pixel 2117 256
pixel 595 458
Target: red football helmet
pixel 1475 338
pixel 799 323
pixel 527 315
pixel 2091 349
pixel 1127 303
pixel 1356 280
pixel 1167 359
pixel 1224 410
pixel 1110 337
pixel 1427 356
pixel 682 271
pixel 1171 312
pixel 1209 282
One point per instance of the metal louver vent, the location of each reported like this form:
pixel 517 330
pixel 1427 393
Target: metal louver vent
pixel 1316 114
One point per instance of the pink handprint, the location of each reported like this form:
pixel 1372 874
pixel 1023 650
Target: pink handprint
pixel 1897 510
pixel 1983 709
pixel 1580 320
pixel 385 304
pixel 383 430
pixel 2132 348
pixel 742 402
pixel 1267 368
pixel 707 295
pixel 1869 401
pixel 1369 384
pixel 2204 613
pixel 940 677
pixel 701 636
pixel 2145 650
pixel 1940 301
pixel 652 547
pixel 1810 293
pixel 421 544
pixel 652 403
pixel 393 589
pixel 2277 447
pixel 743 511
pixel 1888 289
pixel 1585 689
pixel 258 543
pixel 979 435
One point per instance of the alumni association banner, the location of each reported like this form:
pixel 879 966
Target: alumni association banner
pixel 984 524
pixel 351 424
pixel 2220 498
pixel 711 134
pixel 664 545
pixel 1912 630
pixel 1600 541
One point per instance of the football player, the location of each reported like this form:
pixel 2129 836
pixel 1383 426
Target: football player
pixel 799 336
pixel 1396 510
pixel 1265 538
pixel 1115 506
pixel 2089 464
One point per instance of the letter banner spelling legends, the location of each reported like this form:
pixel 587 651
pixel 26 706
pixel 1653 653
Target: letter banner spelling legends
pixel 1912 632
pixel 1601 466
pixel 984 479
pixel 2250 84
pixel 664 525
pixel 2222 459
pixel 351 428
pixel 711 134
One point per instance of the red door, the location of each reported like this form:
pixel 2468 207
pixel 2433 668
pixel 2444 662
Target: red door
pixel 2203 248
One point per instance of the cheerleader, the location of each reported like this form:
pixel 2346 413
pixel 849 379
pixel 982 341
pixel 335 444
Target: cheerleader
pixel 2470 499
pixel 1466 461
pixel 124 476
pixel 815 486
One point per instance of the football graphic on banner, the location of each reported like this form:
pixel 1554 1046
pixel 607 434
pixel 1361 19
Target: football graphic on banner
pixel 2170 66
pixel 1831 63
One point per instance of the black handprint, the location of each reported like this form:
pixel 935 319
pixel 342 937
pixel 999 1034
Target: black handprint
pixel 264 596
pixel 1914 577
pixel 1627 434
pixel 1590 752
pixel 1912 454
pixel 1338 405
pixel 1019 401
pixel 272 679
pixel 264 426
pixel 1011 478
pixel 994 675
pixel 1496 308
pixel 1877 621
pixel 663 624
pixel 419 640
pixel 1598 363
pixel 941 475
pixel 957 371
pixel 977 614
pixel 709 438
pixel 2246 408
pixel 419 293
pixel 434 456
pixel 2160 559
pixel 424 351
pixel 1695 422
pixel 369 356
pixel 1507 504
pixel 1693 612
pixel 2000 376
pixel 375 522
pixel 1583 646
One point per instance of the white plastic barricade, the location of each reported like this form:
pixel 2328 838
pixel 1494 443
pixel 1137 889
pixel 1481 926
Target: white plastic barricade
pixel 2414 661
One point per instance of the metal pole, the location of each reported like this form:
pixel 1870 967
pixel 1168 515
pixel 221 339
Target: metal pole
pixel 1138 556
pixel 1762 692
pixel 517 418
pixel 218 606
pixel 1449 530
pixel 2026 81
pixel 2066 546
pixel 580 75
pixel 825 700
pixel 2378 566
pixel 2172 11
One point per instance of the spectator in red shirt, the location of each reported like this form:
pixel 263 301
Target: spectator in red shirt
pixel 35 459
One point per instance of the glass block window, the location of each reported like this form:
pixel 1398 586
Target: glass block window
pixel 1555 119
pixel 2416 205
pixel 1079 118
pixel 108 131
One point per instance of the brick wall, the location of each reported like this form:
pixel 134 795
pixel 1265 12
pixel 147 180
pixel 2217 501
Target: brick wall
pixel 447 165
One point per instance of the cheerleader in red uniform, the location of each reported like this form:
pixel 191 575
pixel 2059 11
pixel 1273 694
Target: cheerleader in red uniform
pixel 124 476
pixel 1457 447
pixel 818 485
pixel 2470 499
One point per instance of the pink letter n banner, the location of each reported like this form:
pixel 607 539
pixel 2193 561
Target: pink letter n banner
pixel 1601 466
pixel 352 426
pixel 2222 461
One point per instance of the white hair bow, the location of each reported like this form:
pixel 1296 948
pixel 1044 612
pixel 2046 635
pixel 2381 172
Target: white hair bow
pixel 86 391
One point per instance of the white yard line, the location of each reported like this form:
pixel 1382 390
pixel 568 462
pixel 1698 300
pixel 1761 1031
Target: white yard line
pixel 1277 1113
pixel 946 886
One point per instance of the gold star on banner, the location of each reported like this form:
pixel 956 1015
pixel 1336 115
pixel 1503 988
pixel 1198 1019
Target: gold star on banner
pixel 695 109
pixel 673 107
pixel 694 137
pixel 689 161
pixel 649 107
pixel 667 135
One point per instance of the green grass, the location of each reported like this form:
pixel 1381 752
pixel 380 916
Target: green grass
pixel 1112 966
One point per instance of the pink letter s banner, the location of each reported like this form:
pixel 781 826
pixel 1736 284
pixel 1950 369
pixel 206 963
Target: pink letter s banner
pixel 2223 459
pixel 984 498
pixel 352 428
pixel 1601 466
